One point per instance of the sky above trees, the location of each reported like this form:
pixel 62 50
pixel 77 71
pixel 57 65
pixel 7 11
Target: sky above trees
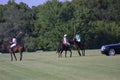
pixel 30 3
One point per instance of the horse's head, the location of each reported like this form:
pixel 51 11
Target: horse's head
pixel 5 45
pixel 72 41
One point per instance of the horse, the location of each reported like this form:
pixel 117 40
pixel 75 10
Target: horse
pixel 79 46
pixel 62 47
pixel 18 48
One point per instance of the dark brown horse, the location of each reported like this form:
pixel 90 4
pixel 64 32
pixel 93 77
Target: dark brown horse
pixel 17 48
pixel 62 47
pixel 79 46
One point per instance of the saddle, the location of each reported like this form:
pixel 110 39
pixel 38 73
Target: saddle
pixel 67 46
pixel 11 49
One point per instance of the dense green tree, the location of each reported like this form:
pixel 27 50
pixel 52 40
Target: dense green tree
pixel 43 26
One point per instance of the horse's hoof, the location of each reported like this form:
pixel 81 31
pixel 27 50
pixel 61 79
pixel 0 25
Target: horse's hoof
pixel 11 59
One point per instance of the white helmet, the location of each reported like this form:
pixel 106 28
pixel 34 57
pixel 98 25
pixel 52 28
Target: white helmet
pixel 65 35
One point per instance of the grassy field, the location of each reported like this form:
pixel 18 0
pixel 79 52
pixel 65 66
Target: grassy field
pixel 47 66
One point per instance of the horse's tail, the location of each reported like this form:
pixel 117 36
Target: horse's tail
pixel 23 47
pixel 59 48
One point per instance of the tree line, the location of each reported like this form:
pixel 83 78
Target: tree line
pixel 43 27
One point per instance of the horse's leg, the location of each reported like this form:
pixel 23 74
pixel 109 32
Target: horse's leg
pixel 70 53
pixel 14 56
pixel 11 56
pixel 83 52
pixel 79 51
pixel 65 53
pixel 21 56
pixel 60 53
pixel 10 51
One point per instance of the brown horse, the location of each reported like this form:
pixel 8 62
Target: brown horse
pixel 61 48
pixel 79 46
pixel 17 48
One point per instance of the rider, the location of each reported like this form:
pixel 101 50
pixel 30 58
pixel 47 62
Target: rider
pixel 77 38
pixel 13 43
pixel 65 40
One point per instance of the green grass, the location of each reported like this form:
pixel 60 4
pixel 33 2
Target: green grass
pixel 47 66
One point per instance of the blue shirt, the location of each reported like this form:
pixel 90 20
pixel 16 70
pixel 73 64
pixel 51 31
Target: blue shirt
pixel 77 37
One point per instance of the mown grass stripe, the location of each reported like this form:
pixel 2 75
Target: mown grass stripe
pixel 47 66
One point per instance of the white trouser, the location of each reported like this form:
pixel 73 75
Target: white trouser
pixel 12 45
pixel 78 40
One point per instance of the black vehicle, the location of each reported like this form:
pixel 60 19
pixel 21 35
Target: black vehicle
pixel 110 49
